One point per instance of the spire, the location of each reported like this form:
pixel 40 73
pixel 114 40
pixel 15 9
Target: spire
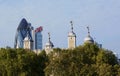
pixel 49 41
pixel 49 45
pixel 71 25
pixel 49 36
pixel 71 33
pixel 88 39
pixel 88 30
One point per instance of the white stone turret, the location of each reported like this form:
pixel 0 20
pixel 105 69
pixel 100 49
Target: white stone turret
pixel 71 38
pixel 28 44
pixel 49 45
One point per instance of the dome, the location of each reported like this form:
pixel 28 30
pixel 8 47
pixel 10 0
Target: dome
pixel 88 39
pixel 71 34
pixel 26 38
pixel 49 43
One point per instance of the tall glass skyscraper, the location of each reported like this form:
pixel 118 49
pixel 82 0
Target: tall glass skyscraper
pixel 38 38
pixel 23 30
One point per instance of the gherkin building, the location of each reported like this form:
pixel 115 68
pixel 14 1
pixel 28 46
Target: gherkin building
pixel 24 29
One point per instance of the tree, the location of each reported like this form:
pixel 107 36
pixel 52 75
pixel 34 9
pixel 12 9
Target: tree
pixel 105 56
pixel 105 70
pixel 21 62
pixel 85 60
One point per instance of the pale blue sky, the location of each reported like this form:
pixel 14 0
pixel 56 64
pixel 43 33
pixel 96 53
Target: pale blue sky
pixel 103 17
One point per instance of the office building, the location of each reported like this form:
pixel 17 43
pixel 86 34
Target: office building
pixel 23 30
pixel 38 38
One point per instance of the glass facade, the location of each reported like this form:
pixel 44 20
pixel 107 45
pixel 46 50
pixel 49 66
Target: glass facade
pixel 23 29
pixel 38 38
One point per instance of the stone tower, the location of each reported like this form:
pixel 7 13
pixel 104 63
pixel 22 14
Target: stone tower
pixel 28 43
pixel 71 38
pixel 49 45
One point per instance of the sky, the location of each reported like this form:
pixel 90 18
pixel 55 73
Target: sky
pixel 102 16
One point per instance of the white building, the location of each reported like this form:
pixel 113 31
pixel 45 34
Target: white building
pixel 49 45
pixel 27 43
pixel 71 38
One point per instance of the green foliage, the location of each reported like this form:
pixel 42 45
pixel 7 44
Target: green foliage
pixel 20 62
pixel 106 56
pixel 85 60
pixel 105 70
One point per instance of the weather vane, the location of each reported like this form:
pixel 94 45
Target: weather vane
pixel 88 30
pixel 71 25
pixel 49 35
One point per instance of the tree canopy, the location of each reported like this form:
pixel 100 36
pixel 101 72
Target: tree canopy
pixel 21 62
pixel 84 60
